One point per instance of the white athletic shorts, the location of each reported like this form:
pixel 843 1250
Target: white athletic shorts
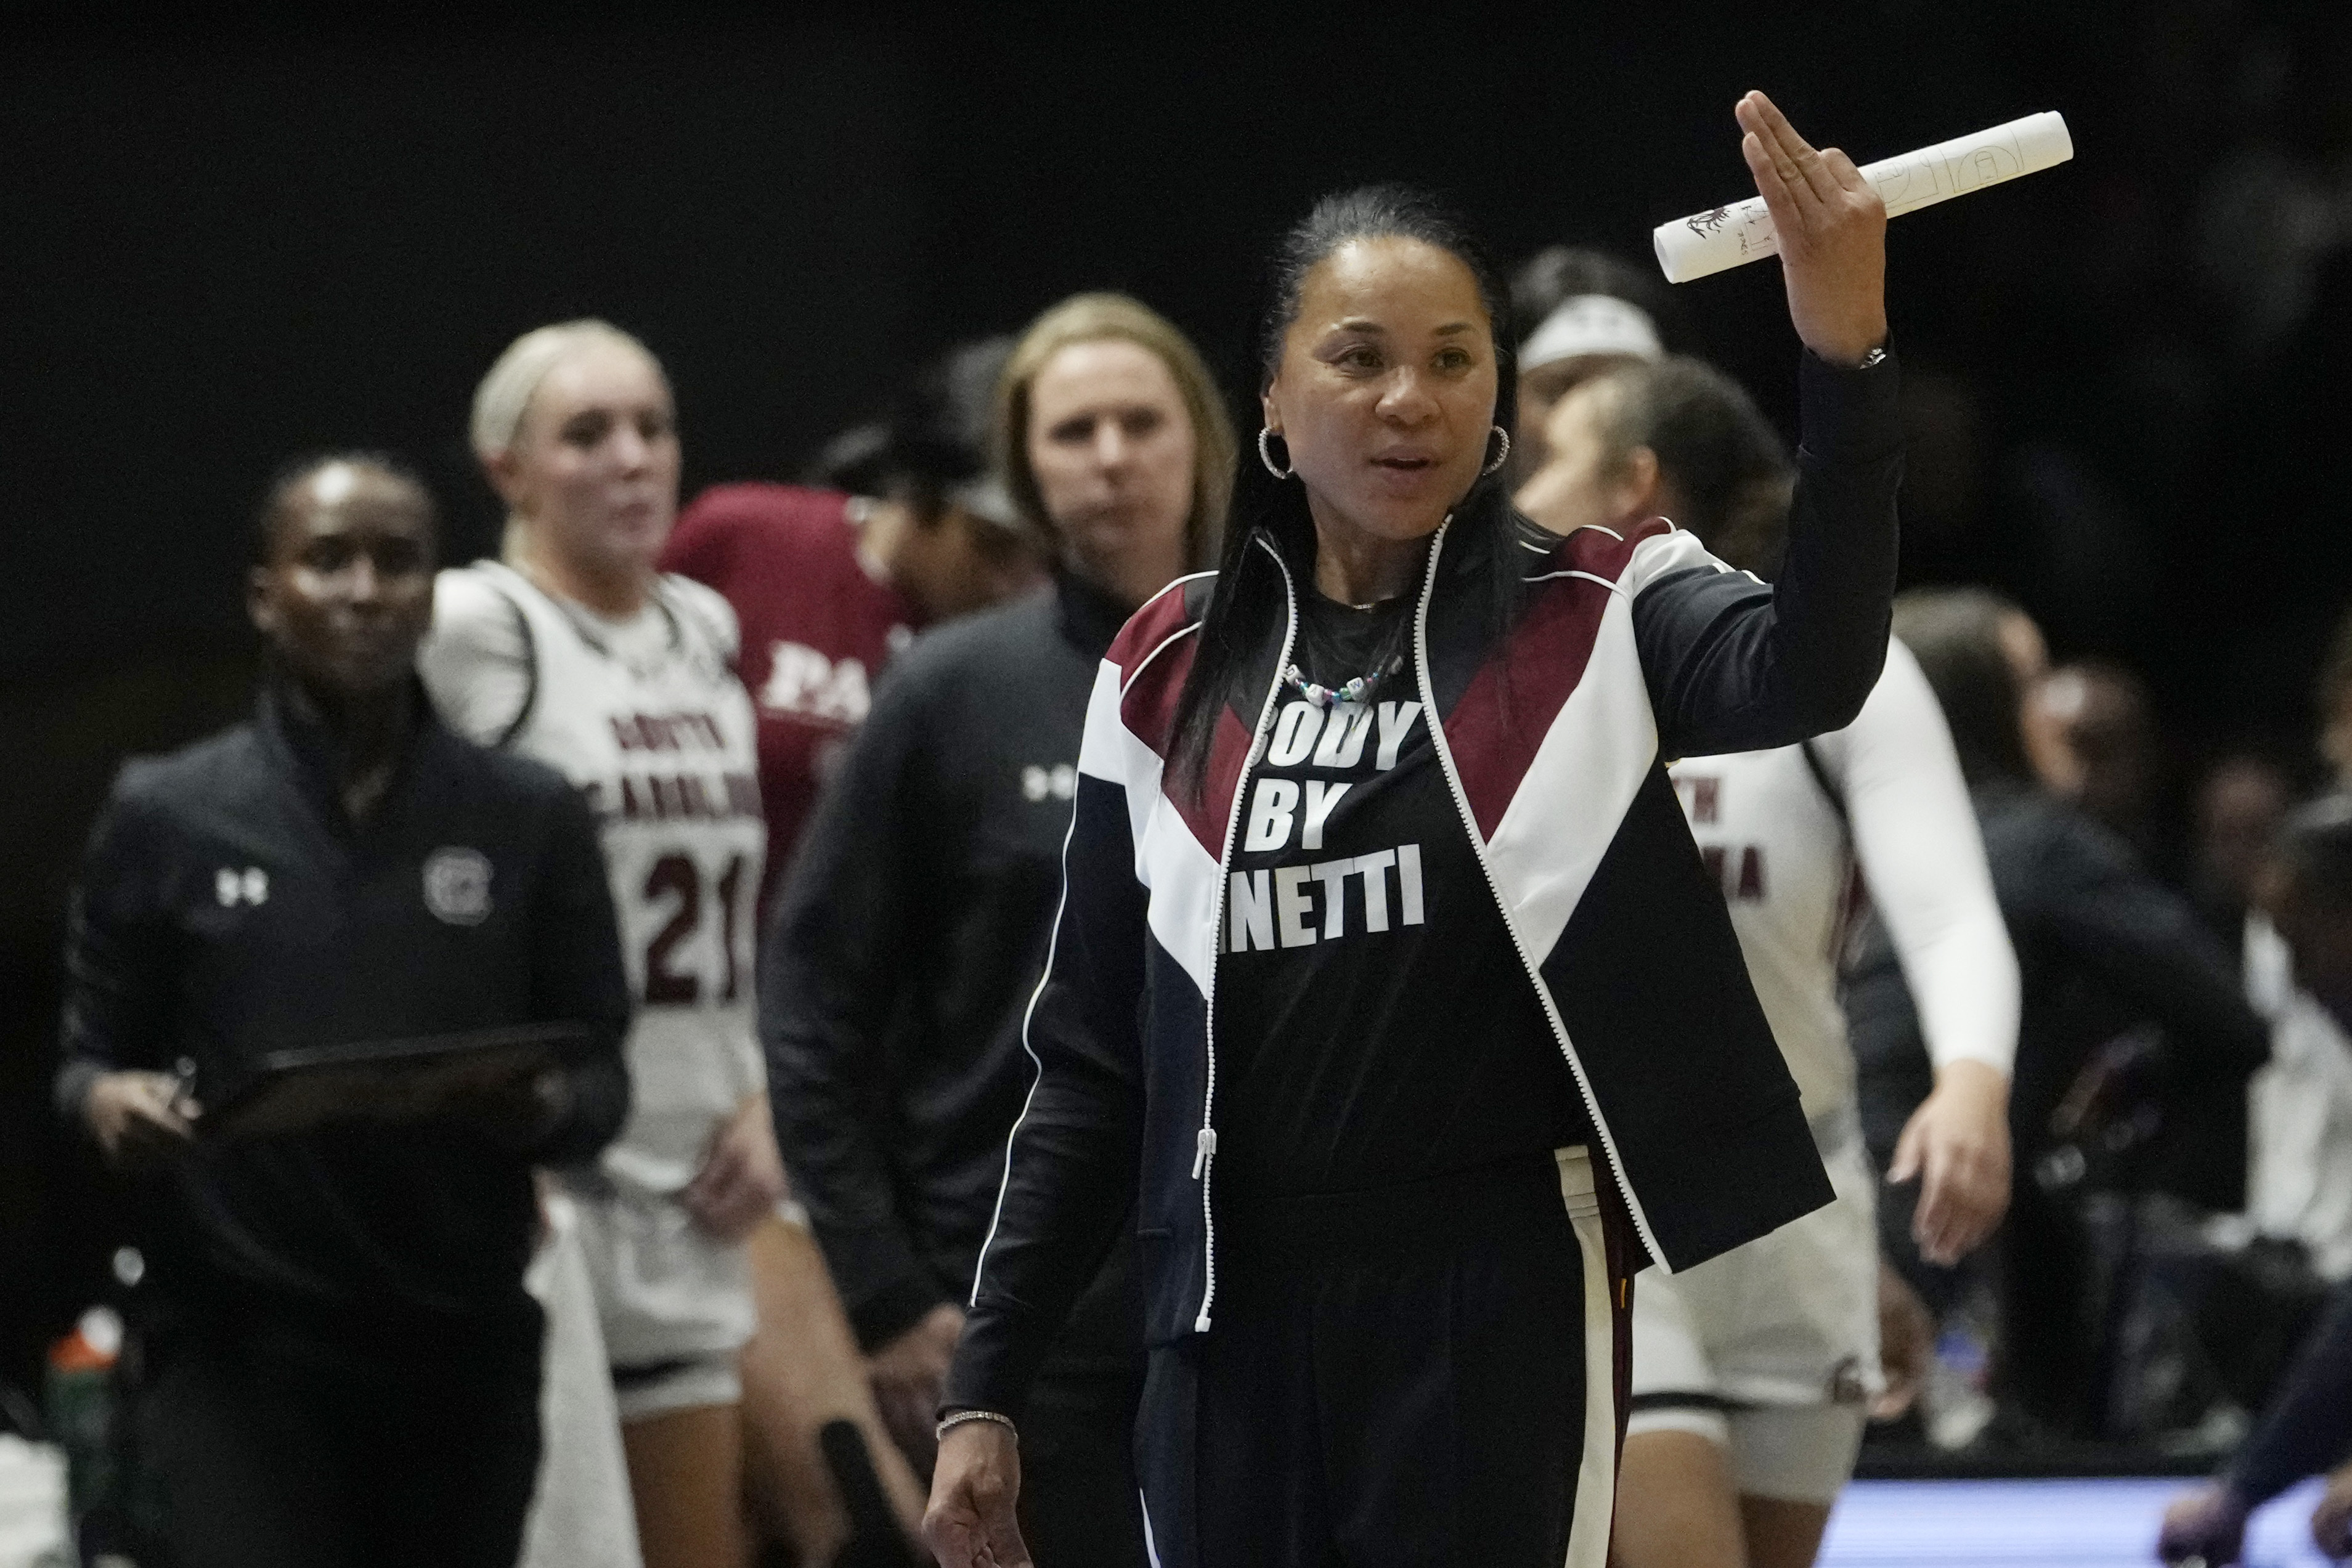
pixel 1771 1349
pixel 675 1305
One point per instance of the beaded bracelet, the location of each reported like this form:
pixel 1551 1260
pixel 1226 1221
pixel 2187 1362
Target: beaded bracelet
pixel 961 1416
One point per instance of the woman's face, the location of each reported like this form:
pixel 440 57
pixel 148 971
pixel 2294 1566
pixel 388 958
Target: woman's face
pixel 1112 451
pixel 1385 394
pixel 1582 483
pixel 594 468
pixel 2046 747
pixel 1541 391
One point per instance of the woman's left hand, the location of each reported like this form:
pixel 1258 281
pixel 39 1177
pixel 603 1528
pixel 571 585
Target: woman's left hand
pixel 1833 232
pixel 742 1177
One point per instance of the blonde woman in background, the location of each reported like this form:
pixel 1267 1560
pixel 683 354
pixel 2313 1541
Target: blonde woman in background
pixel 577 651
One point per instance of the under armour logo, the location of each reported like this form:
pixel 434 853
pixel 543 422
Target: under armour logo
pixel 234 887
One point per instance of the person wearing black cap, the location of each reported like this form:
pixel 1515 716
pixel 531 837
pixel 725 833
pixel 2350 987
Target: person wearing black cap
pixel 341 1362
pixel 913 929
pixel 829 583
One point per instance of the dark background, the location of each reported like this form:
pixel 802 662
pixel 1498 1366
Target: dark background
pixel 2124 377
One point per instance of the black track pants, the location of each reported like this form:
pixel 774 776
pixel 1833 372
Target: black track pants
pixel 1423 1376
pixel 1079 1505
pixel 278 1455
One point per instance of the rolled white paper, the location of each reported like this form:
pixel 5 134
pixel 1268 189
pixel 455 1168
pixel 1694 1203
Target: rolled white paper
pixel 1727 237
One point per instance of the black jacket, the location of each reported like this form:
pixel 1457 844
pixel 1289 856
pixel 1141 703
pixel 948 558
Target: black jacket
pixel 229 907
pixel 2101 946
pixel 908 942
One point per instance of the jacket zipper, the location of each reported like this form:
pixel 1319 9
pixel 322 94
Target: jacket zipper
pixel 1205 1144
pixel 1494 890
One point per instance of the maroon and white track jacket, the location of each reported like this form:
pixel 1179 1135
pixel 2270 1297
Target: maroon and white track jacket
pixel 1629 651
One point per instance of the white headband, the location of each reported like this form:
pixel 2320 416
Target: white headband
pixel 1591 324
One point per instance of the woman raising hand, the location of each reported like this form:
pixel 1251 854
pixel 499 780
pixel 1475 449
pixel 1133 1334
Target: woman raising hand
pixel 1389 991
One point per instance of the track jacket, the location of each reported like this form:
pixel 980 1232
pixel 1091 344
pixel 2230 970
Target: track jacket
pixel 1629 651
pixel 229 907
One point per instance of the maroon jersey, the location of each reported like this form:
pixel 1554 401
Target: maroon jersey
pixel 817 629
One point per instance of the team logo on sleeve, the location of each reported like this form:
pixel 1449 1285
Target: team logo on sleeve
pixel 457 885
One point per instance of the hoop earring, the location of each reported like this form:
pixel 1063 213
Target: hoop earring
pixel 1501 457
pixel 1265 454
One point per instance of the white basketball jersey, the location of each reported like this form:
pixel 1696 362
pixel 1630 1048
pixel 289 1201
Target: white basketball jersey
pixel 648 718
pixel 1784 832
pixel 1778 848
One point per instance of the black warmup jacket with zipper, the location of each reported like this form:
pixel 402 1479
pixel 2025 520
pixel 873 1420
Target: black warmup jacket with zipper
pixel 229 907
pixel 1629 651
pixel 908 941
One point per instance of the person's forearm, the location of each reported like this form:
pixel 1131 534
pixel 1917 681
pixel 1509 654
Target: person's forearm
pixel 1922 853
pixel 1834 596
pixel 73 1085
pixel 112 981
pixel 1070 1185
pixel 892 1300
pixel 596 1102
pixel 840 1171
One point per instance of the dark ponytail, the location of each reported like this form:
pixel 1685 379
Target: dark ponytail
pixel 1248 593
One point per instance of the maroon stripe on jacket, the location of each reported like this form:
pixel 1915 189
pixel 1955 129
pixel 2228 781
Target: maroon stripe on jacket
pixel 1496 727
pixel 1145 631
pixel 1148 709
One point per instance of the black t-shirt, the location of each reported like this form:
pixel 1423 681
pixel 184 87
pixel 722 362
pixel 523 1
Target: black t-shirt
pixel 1374 1023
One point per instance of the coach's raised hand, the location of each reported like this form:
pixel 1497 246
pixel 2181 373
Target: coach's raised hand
pixel 1833 232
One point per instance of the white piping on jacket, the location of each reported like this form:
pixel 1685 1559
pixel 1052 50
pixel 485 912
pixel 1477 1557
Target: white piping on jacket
pixel 1205 1145
pixel 1588 575
pixel 1052 946
pixel 1510 923
pixel 1165 644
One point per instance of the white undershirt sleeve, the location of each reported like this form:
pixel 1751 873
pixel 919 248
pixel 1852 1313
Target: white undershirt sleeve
pixel 477 662
pixel 1922 858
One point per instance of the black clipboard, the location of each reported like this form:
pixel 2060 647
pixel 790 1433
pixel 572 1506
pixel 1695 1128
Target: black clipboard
pixel 305 1089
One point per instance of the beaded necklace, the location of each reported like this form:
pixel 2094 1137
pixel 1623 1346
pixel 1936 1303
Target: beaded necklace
pixel 1350 691
pixel 1357 689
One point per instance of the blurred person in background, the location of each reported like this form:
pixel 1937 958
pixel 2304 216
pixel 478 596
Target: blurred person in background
pixel 2300 1189
pixel 901 528
pixel 910 937
pixel 829 585
pixel 341 1362
pixel 2304 888
pixel 1580 311
pixel 2334 701
pixel 2052 759
pixel 578 651
pixel 2103 712
pixel 1753 1372
pixel 2102 948
pixel 2238 805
